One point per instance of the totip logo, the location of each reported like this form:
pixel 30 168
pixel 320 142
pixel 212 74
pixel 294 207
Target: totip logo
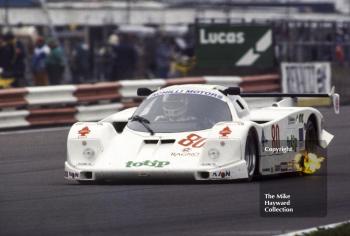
pixel 84 131
pixel 225 131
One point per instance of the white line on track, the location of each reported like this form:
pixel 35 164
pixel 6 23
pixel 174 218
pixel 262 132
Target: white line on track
pixel 38 130
pixel 301 232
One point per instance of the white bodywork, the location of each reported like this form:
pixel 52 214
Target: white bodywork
pixel 100 150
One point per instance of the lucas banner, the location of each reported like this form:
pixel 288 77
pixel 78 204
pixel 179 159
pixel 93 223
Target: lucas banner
pixel 306 77
pixel 225 45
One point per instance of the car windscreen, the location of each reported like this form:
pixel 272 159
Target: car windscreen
pixel 171 113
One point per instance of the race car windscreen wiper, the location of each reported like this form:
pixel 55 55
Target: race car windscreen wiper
pixel 145 122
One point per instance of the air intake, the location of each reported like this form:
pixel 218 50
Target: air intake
pixel 167 141
pixel 151 141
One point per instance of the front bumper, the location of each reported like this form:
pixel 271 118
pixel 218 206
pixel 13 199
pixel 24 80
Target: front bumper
pixel 236 170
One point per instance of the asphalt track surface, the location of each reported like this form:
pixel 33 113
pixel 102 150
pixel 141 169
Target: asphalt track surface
pixel 36 200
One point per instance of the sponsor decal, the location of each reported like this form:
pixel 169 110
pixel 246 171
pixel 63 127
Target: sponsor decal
pixel 189 154
pixel 71 175
pixel 263 140
pixel 270 170
pixel 284 166
pixel 155 163
pixel 84 164
pixel 225 132
pixel 292 142
pixel 188 91
pixel 291 120
pixel 221 37
pixel 186 152
pixel 301 138
pixel 300 118
pixel 84 131
pixel 277 168
pixel 301 134
pixel 192 140
pixel 221 174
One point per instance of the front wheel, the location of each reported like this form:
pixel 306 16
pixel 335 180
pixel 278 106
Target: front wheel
pixel 251 155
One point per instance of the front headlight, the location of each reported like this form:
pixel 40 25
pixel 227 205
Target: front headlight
pixel 213 153
pixel 89 153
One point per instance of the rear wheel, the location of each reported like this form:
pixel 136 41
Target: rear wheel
pixel 311 136
pixel 251 155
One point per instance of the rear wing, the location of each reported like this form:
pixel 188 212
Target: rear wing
pixel 332 95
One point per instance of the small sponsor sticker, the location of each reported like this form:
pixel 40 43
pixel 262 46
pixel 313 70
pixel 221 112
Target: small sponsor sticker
pixel 71 175
pixel 291 120
pixel 301 134
pixel 84 131
pixel 221 174
pixel 270 170
pixel 186 152
pixel 225 132
pixel 300 118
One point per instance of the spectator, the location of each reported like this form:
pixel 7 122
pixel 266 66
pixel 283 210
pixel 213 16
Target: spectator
pixel 13 60
pixel 164 54
pixel 55 63
pixel 41 52
pixel 81 63
pixel 111 57
pixel 125 60
pixel 2 47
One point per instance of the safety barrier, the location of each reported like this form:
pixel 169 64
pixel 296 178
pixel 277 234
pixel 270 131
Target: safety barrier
pixel 66 104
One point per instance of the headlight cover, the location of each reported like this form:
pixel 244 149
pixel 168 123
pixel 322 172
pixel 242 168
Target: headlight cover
pixel 213 153
pixel 89 153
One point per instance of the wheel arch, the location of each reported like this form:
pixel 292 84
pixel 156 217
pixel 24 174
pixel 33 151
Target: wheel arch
pixel 254 131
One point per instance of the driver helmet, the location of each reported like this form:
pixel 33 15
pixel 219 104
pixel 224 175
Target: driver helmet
pixel 174 106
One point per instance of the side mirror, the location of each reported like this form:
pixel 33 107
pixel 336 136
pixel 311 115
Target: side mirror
pixel 231 91
pixel 144 92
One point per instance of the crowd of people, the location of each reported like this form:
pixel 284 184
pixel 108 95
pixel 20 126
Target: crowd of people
pixel 46 62
pixel 127 57
pixel 130 56
pixel 122 56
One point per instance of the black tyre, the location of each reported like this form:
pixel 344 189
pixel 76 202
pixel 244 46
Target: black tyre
pixel 311 140
pixel 251 155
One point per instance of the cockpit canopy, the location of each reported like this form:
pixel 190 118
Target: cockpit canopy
pixel 179 111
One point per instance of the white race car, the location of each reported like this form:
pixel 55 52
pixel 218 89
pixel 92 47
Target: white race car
pixel 203 132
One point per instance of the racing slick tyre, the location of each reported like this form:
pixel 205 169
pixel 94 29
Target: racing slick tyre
pixel 310 136
pixel 251 155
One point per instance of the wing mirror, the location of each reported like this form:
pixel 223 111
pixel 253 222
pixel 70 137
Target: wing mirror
pixel 144 92
pixel 231 91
